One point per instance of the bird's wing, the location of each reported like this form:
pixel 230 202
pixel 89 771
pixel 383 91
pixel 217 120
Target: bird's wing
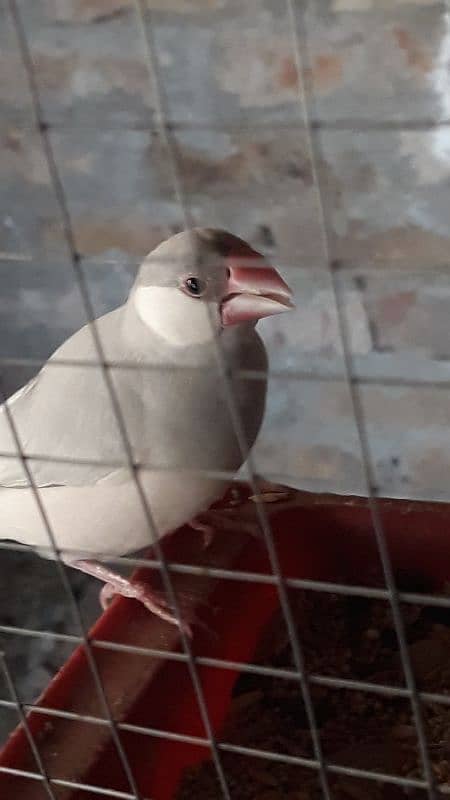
pixel 12 472
pixel 65 419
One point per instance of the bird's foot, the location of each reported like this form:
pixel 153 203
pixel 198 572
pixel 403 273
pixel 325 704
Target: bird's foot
pixel 223 519
pixel 205 529
pixel 238 517
pixel 118 584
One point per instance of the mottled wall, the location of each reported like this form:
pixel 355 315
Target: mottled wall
pixel 379 75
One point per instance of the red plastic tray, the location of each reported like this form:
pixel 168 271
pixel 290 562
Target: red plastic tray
pixel 321 537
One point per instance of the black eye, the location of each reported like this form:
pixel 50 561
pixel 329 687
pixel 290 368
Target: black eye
pixel 195 286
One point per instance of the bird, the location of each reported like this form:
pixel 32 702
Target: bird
pixel 200 290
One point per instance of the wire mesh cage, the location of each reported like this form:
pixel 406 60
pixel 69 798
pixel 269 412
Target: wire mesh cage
pixel 319 133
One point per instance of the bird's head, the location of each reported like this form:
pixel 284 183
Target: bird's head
pixel 203 281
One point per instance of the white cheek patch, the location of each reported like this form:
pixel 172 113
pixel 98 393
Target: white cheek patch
pixel 174 316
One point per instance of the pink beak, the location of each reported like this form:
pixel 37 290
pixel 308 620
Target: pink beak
pixel 253 292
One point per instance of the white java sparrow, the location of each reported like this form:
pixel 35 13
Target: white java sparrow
pixel 197 286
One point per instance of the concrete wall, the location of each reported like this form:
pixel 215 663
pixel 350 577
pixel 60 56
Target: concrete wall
pixel 381 79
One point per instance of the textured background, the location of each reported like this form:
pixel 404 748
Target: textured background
pixel 380 73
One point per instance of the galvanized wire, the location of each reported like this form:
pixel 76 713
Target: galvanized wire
pixel 225 475
pixel 346 590
pixel 312 375
pixel 327 681
pixel 349 267
pixel 72 598
pixel 165 128
pixel 307 103
pixel 156 84
pixel 79 275
pixel 220 124
pixel 19 708
pixel 337 769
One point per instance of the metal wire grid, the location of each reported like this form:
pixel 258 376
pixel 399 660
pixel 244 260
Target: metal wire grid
pixel 339 124
pixel 300 42
pixel 301 45
pixel 296 375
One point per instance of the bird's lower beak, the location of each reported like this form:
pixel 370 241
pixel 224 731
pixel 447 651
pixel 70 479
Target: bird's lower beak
pixel 253 292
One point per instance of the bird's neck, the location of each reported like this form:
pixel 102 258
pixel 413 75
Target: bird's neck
pixel 142 344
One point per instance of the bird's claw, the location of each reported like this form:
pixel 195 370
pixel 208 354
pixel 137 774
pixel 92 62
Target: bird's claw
pixel 118 584
pixel 149 598
pixel 269 497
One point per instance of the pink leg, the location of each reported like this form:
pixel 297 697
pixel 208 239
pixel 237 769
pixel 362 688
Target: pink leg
pixel 107 595
pixel 117 584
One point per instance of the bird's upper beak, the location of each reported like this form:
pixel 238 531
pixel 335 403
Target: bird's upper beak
pixel 255 290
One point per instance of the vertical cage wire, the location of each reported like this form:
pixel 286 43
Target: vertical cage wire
pixel 263 520
pixel 18 706
pixel 79 275
pixel 72 600
pixel 306 100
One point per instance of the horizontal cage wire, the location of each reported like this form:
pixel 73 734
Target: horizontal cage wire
pixel 343 124
pixel 302 46
pixel 59 193
pixel 349 374
pixel 347 267
pixel 249 375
